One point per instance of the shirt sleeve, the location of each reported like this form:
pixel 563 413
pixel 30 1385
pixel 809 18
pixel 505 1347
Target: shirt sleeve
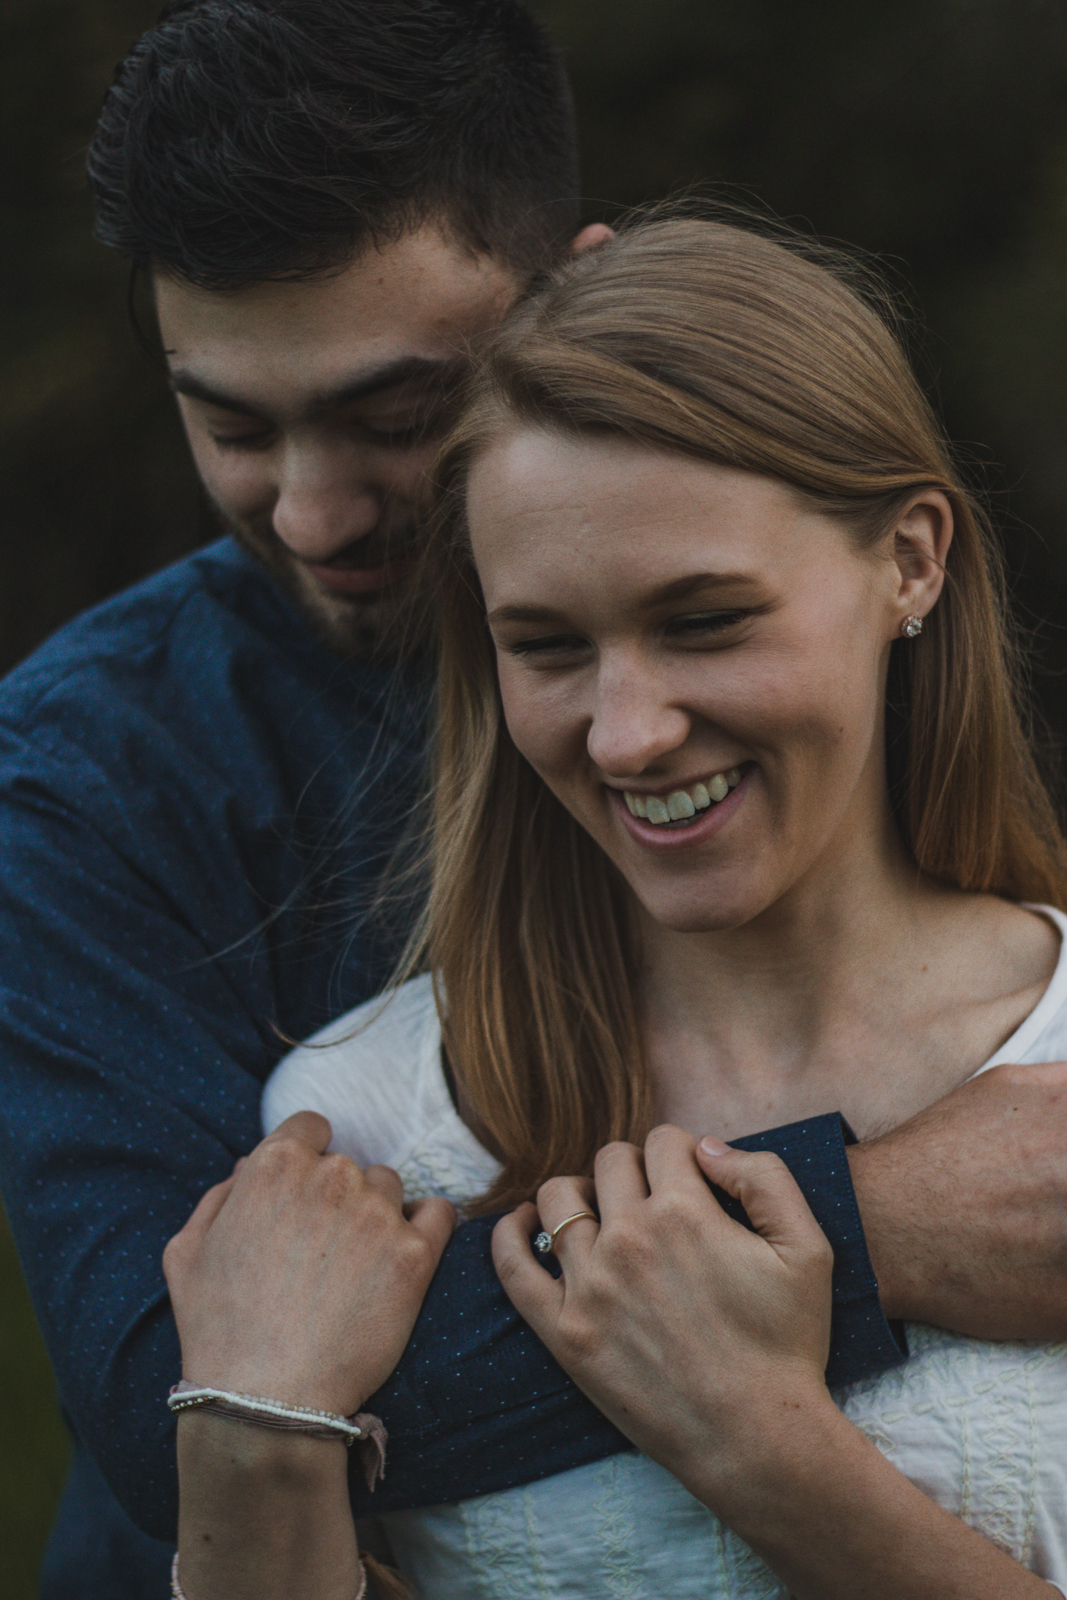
pixel 127 1088
pixel 862 1341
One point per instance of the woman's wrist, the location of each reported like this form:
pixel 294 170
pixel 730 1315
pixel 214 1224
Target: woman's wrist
pixel 221 1446
pixel 835 1520
pixel 264 1515
pixel 779 1443
pixel 744 1459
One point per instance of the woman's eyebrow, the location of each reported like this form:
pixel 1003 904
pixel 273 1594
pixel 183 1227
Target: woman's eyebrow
pixel 692 585
pixel 517 613
pixel 696 583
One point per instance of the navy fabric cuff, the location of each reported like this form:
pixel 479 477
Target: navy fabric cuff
pixel 863 1342
pixel 479 1405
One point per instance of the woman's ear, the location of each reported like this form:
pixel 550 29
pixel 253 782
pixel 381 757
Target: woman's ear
pixel 920 548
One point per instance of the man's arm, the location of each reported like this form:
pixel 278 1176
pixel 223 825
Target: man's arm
pixel 131 1053
pixel 132 1046
pixel 965 1207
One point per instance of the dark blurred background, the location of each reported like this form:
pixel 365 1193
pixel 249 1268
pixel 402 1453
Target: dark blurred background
pixel 932 132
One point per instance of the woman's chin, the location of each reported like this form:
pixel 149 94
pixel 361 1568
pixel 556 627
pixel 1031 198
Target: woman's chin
pixel 717 914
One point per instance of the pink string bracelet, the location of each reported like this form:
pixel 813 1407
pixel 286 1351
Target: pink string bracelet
pixel 361 1428
pixel 178 1593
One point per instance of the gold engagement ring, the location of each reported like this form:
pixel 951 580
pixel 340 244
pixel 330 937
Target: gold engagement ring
pixel 544 1242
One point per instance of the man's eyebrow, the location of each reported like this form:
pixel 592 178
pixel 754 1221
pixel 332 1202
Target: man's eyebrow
pixel 442 371
pixel 694 583
pixel 182 382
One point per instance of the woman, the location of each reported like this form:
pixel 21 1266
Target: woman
pixel 733 822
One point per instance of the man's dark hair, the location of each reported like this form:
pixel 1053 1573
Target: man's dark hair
pixel 245 141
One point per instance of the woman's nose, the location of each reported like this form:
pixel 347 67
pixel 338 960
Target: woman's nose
pixel 633 725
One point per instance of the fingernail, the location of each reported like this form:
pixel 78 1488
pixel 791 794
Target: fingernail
pixel 238 1164
pixel 712 1146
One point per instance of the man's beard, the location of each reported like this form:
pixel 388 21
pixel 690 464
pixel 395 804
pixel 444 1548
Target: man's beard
pixel 357 627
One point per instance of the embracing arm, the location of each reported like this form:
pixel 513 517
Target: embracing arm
pixel 965 1207
pixel 666 1276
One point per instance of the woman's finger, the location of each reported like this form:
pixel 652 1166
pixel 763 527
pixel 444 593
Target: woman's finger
pixel 670 1160
pixel 435 1220
pixel 769 1193
pixel 561 1198
pixel 619 1175
pixel 534 1293
pixel 306 1127
pixel 388 1183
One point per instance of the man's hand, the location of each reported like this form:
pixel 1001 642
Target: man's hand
pixel 301 1276
pixel 965 1207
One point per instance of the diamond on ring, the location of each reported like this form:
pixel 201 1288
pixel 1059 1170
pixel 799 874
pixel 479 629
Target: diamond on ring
pixel 543 1243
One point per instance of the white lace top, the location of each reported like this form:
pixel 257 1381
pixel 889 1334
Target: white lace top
pixel 980 1427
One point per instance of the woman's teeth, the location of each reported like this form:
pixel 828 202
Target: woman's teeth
pixel 681 804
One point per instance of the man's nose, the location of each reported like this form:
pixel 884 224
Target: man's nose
pixel 634 723
pixel 323 505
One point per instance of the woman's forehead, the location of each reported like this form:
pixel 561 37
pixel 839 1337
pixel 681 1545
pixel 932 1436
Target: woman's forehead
pixel 549 505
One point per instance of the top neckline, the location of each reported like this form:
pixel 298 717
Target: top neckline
pixel 1031 1028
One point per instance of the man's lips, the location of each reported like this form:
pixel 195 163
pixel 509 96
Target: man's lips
pixel 353 580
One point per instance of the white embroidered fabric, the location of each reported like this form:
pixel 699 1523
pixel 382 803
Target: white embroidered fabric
pixel 980 1427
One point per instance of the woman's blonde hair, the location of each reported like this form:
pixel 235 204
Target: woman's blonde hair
pixel 729 345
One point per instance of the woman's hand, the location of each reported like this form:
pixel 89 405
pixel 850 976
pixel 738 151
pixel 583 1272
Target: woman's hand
pixel 706 1345
pixel 300 1277
pixel 691 1333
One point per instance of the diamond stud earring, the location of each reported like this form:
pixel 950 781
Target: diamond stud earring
pixel 911 627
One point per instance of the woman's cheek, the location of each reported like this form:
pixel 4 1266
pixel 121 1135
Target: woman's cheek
pixel 537 718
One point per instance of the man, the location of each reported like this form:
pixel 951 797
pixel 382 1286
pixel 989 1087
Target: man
pixel 201 780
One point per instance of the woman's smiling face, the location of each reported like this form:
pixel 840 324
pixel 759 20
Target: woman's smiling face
pixel 694 643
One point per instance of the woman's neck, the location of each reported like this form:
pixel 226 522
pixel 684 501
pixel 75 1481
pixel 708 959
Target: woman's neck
pixel 868 989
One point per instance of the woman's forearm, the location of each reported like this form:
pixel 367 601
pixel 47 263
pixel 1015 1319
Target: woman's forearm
pixel 836 1521
pixel 264 1515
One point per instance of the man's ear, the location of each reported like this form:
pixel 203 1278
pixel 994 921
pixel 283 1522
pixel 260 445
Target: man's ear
pixel 590 238
pixel 921 541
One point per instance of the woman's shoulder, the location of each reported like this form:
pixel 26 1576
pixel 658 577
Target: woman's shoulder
pixel 1042 1036
pixel 374 1072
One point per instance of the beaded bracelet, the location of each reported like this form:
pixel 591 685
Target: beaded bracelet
pixel 178 1593
pixel 362 1428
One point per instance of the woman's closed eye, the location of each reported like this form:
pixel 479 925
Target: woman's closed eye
pixel 696 629
pixel 700 625
pixel 548 648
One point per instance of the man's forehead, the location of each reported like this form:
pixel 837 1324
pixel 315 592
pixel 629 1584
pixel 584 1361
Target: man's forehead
pixel 419 299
